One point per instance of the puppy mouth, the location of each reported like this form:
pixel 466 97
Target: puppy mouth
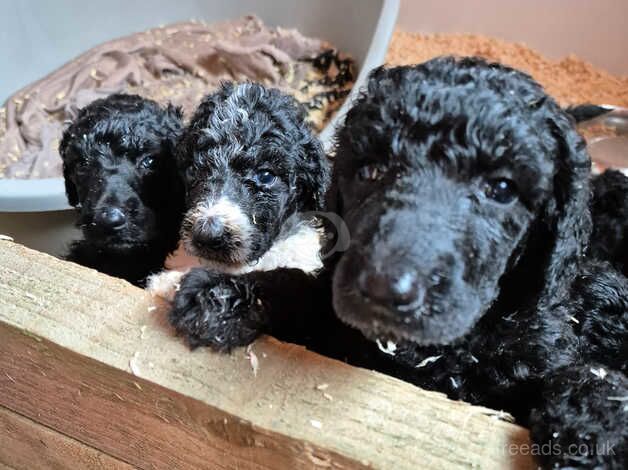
pixel 374 321
pixel 119 241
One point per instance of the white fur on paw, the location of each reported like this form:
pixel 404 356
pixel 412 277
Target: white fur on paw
pixel 165 284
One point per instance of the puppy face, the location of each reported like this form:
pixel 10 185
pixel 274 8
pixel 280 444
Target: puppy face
pixel 442 172
pixel 120 171
pixel 249 162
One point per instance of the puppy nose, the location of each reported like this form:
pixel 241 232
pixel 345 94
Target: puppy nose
pixel 210 233
pixel 391 289
pixel 111 217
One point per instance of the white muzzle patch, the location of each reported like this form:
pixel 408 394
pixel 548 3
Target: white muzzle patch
pixel 230 216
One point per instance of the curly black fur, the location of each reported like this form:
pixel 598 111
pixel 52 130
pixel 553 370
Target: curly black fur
pixel 585 433
pixel 253 170
pixel 466 190
pixel 120 173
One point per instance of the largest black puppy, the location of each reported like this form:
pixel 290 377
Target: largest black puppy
pixel 120 173
pixel 491 180
pixel 466 192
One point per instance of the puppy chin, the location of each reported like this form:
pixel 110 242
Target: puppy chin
pixel 125 246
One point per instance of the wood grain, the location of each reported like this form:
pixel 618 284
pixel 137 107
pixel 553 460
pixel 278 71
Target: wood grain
pixel 27 445
pixel 89 356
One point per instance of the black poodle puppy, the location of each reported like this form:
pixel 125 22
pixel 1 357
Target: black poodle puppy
pixel 120 173
pixel 254 175
pixel 491 297
pixel 466 192
pixel 610 218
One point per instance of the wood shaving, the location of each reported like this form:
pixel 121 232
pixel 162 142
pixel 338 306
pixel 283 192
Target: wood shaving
pixel 322 386
pixel 250 354
pixel 390 347
pixel 316 424
pixel 428 360
pixel 6 238
pixel 30 296
pixel 135 369
pixel 600 373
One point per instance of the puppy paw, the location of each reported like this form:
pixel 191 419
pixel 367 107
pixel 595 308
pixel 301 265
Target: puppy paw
pixel 217 310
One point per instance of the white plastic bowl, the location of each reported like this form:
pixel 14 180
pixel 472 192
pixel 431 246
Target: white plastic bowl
pixel 37 36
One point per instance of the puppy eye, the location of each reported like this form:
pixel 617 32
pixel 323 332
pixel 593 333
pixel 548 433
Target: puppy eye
pixel 501 190
pixel 147 163
pixel 264 178
pixel 370 172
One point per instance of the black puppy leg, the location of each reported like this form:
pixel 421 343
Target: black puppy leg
pixel 583 419
pixel 225 311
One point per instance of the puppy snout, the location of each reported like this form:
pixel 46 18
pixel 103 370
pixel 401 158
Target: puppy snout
pixel 392 289
pixel 110 218
pixel 210 234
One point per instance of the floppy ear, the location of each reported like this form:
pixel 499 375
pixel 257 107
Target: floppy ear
pixel 333 197
pixel 312 174
pixel 70 188
pixel 569 215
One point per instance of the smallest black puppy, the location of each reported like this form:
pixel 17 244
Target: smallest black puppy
pixel 120 173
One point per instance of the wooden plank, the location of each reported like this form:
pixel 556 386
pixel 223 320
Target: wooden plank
pixel 27 445
pixel 81 353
